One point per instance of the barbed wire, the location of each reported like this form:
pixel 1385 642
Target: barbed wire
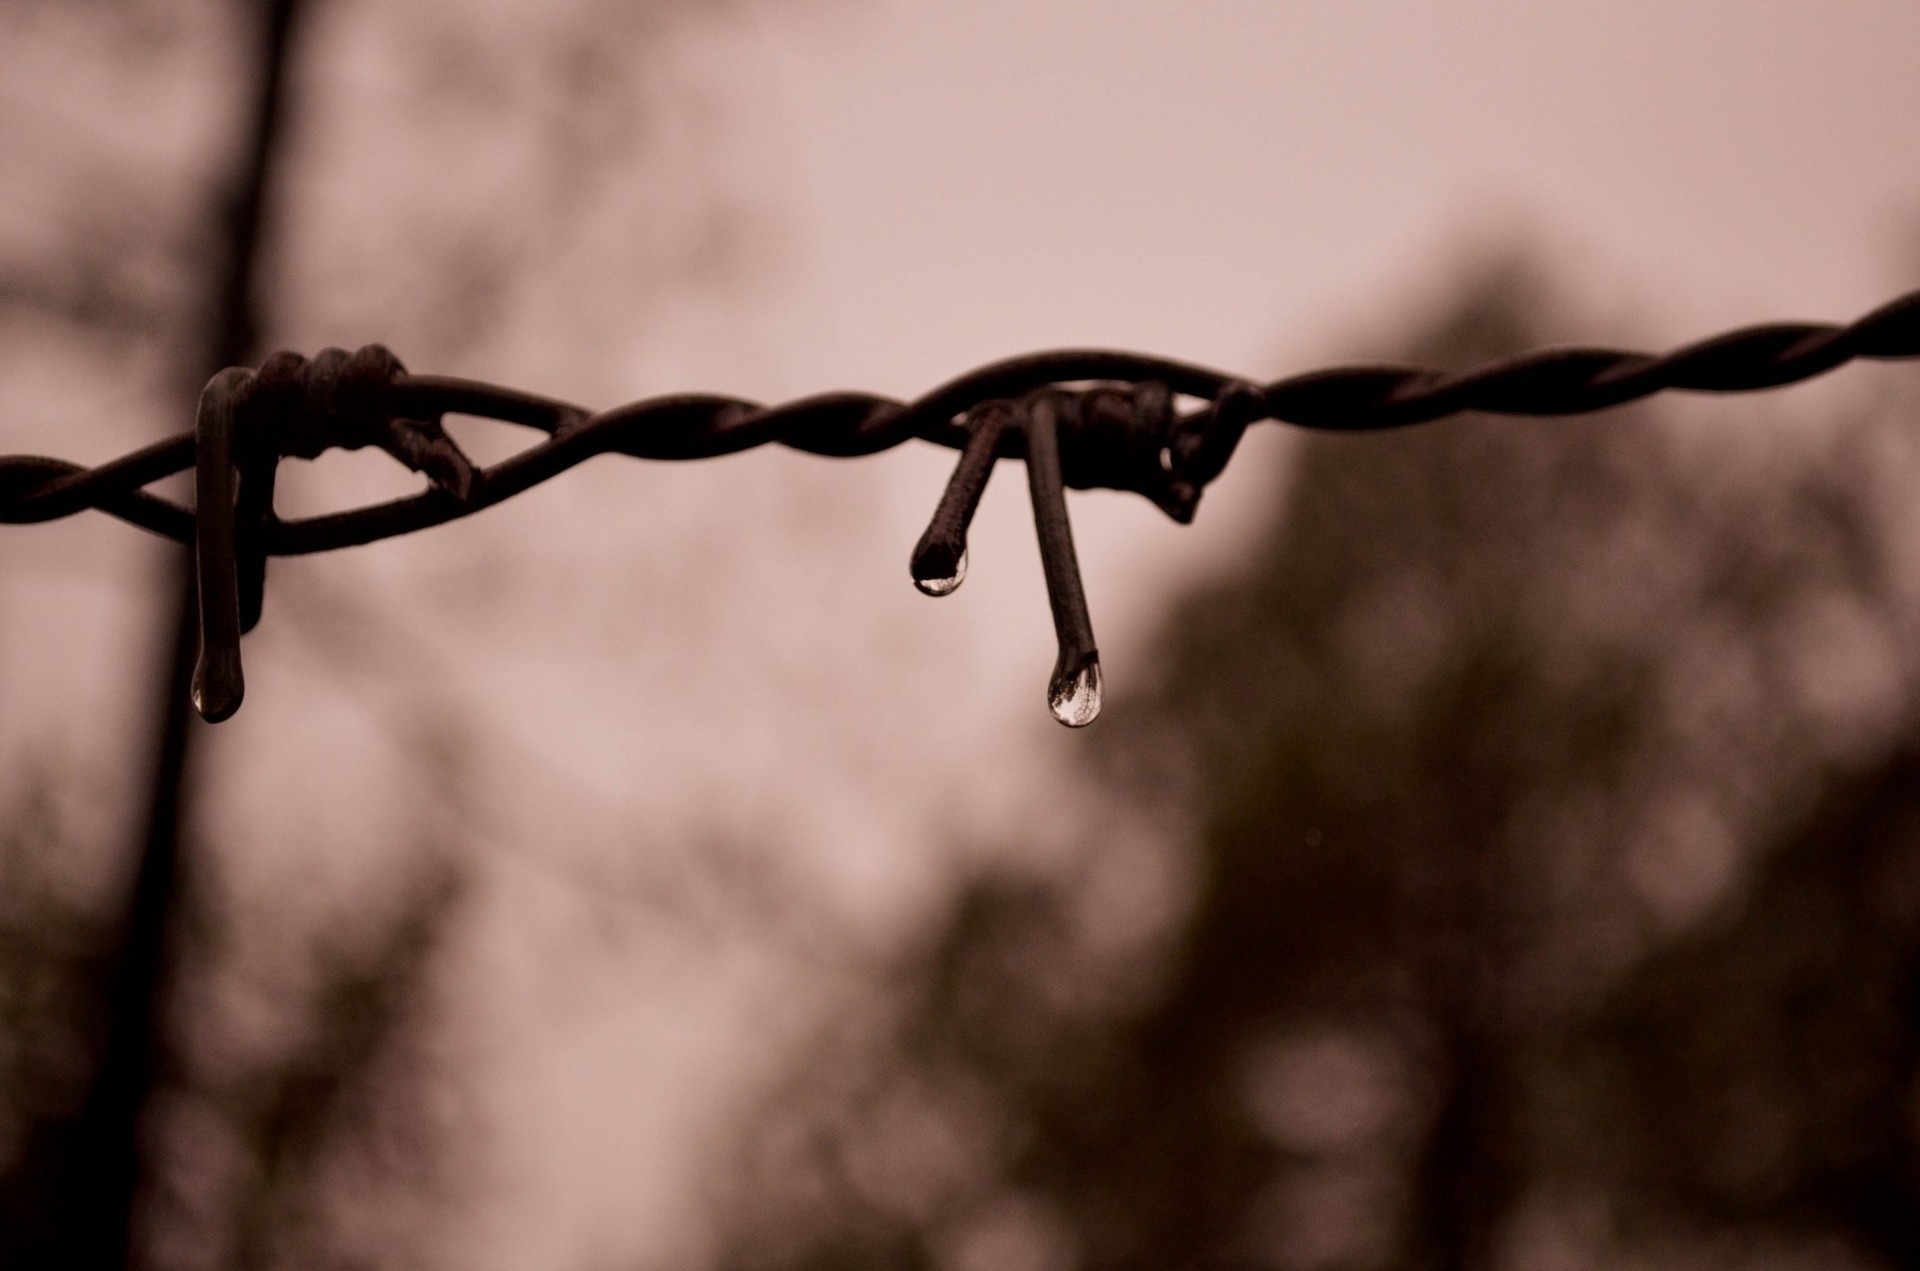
pixel 1078 418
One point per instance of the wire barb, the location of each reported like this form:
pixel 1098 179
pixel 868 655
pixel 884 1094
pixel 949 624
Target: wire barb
pixel 939 563
pixel 1073 694
pixel 218 684
pixel 1083 419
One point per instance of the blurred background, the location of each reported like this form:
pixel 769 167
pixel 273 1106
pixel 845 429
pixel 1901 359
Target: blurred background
pixel 1501 847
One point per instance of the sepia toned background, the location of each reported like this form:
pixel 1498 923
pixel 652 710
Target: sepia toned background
pixel 1500 848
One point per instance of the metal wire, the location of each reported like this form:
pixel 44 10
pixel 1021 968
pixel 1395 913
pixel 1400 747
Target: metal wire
pixel 1080 418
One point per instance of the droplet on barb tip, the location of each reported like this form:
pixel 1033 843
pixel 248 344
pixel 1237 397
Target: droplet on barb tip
pixel 217 687
pixel 947 584
pixel 1075 699
pixel 212 705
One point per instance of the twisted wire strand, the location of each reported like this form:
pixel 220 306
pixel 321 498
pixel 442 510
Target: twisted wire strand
pixel 1099 418
pixel 1361 398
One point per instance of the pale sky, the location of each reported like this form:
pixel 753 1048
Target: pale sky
pixel 1236 181
pixel 733 650
pixel 1259 186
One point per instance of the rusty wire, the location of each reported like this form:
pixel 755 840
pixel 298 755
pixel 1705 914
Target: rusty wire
pixel 1080 418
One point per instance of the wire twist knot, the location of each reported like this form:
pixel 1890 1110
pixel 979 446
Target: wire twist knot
pixel 248 420
pixel 1109 436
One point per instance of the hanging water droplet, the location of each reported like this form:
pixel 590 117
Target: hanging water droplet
pixel 214 702
pixel 217 687
pixel 1075 699
pixel 946 585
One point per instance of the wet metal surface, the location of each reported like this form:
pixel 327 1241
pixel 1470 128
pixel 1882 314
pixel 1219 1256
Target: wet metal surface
pixel 1080 418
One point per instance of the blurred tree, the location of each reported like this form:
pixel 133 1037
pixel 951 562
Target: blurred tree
pixel 89 1169
pixel 49 952
pixel 1498 708
pixel 150 263
pixel 1762 1075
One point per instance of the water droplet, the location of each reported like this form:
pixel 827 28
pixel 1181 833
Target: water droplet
pixel 217 688
pixel 1075 699
pixel 948 585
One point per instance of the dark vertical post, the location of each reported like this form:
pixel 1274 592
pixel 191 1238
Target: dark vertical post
pixel 99 1198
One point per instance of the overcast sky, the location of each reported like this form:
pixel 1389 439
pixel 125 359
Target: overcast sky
pixel 1257 186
